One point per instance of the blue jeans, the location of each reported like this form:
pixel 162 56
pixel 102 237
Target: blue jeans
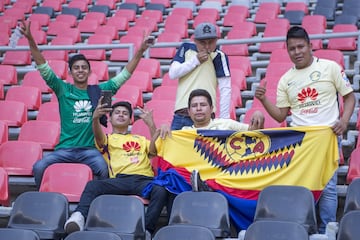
pixel 328 202
pixel 125 184
pixel 89 156
pixel 179 121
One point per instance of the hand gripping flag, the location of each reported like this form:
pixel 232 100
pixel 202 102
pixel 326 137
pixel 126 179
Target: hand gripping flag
pixel 241 164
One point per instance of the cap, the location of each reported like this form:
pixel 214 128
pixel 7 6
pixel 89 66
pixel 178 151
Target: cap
pixel 205 31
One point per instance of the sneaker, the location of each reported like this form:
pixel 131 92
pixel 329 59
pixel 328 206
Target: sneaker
pixel 75 223
pixel 197 184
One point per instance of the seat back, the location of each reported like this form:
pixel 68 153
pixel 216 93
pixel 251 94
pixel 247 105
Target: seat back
pixel 352 200
pixel 18 234
pixel 18 157
pixel 4 132
pixel 30 96
pixel 181 232
pixel 42 212
pixel 66 178
pixel 92 235
pixel 277 203
pixel 349 227
pixel 207 209
pixel 276 230
pixel 49 111
pixel 47 133
pixel 123 215
pixel 4 188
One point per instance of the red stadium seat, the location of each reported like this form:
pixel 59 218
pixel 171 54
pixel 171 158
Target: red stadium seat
pixel 31 131
pixel 57 27
pixel 183 11
pixel 30 96
pixel 315 24
pixel 236 49
pixel 98 16
pixel 88 26
pixel 49 111
pixel 82 5
pixel 274 28
pixel 269 121
pixel 122 54
pixel 55 4
pixel 166 81
pixel 267 11
pixel 96 54
pixel 101 69
pixel 297 6
pixel 140 128
pixel 130 93
pixel 13 113
pixel 238 78
pixel 108 30
pixel 73 33
pixel 8 75
pixel 150 65
pixel 34 79
pixel 164 92
pixel 60 68
pixel 110 3
pixel 43 19
pixel 18 157
pixel 168 52
pixel 71 19
pixel 155 14
pixel 17 58
pixel 163 110
pixel 277 69
pixel 332 54
pixel 242 63
pixel 141 79
pixel 343 44
pixel 279 55
pixel 69 179
pixel 129 14
pixel 354 165
pixel 120 23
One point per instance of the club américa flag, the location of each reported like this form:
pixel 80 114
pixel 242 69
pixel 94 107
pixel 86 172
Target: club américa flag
pixel 240 164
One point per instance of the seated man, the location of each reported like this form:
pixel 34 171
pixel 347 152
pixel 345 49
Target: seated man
pixel 200 108
pixel 130 169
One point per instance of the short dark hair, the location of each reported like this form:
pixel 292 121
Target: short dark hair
pixel 200 92
pixel 297 32
pixel 76 58
pixel 125 104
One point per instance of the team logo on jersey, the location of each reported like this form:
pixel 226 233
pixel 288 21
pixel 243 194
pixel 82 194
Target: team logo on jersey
pixel 315 76
pixel 307 93
pixel 82 105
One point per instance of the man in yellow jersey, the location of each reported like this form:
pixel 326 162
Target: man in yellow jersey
pixel 310 90
pixel 129 166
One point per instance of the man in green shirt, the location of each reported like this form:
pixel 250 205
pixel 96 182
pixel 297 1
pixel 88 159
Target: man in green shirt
pixel 76 105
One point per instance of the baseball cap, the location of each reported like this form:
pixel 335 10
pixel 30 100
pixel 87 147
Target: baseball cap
pixel 205 31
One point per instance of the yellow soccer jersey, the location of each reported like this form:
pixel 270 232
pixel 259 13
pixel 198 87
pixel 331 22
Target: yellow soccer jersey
pixel 128 154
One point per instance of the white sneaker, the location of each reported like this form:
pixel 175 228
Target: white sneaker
pixel 75 223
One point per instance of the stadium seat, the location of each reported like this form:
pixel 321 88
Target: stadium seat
pixel 128 13
pixel 56 27
pixel 120 23
pixel 236 49
pixel 177 24
pixel 122 54
pixel 19 234
pixel 331 54
pixel 82 5
pixel 108 30
pixel 343 44
pixel 274 28
pixel 140 128
pixel 68 179
pixel 130 93
pixel 186 4
pixel 163 110
pixel 279 55
pixel 207 209
pixel 276 203
pixel 49 111
pixel 92 235
pixel 204 18
pixel 30 132
pixel 131 6
pixel 152 13
pixel 235 14
pixel 150 65
pixel 269 121
pixel 164 93
pixel 43 19
pixel 88 26
pixel 18 157
pixel 120 214
pixel 267 11
pixel 67 18
pixel 165 52
pixel 17 58
pixel 354 165
pixel 13 113
pixel 30 96
pixel 348 229
pixel 45 10
pixel 352 199
pixel 34 79
pixel 242 63
pixel 183 11
pixel 73 33
pixel 8 75
pixel 60 67
pixel 180 232
pixel 315 24
pixel 17 13
pixel 295 17
pixel 351 7
pixel 55 4
pixel 345 19
pixel 59 54
pixel 141 79
pixel 4 190
pixel 277 69
pixel 238 78
pixel 275 230
pixel 98 16
pixel 146 22
pixel 166 81
pixel 76 12
pixel 102 8
pixel 101 69
pixel 97 54
pixel 43 212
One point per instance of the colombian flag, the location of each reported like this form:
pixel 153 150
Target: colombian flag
pixel 240 164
